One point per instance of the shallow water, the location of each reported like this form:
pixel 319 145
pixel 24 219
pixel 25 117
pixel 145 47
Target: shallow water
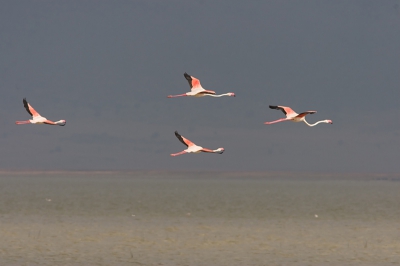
pixel 134 219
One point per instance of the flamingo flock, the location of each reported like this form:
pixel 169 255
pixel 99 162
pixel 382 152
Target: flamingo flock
pixel 196 91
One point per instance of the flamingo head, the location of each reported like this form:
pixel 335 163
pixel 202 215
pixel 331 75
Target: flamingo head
pixel 61 122
pixel 231 94
pixel 328 121
pixel 219 150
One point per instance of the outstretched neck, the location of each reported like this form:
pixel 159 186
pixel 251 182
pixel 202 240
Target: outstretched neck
pixel 316 123
pixel 220 95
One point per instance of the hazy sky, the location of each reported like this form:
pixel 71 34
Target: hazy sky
pixel 107 67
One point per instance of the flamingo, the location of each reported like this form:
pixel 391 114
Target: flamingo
pixel 193 148
pixel 197 90
pixel 295 117
pixel 37 118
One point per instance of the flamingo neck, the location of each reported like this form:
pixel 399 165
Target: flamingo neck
pixel 220 95
pixel 316 123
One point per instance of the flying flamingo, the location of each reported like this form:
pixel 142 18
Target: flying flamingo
pixel 37 118
pixel 193 148
pixel 295 117
pixel 197 90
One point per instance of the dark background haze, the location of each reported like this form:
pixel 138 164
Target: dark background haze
pixel 107 67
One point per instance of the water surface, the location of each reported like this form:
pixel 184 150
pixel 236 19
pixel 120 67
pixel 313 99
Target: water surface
pixel 137 219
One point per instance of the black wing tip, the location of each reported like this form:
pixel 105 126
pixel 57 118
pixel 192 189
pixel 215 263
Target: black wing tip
pixel 26 106
pixel 177 134
pixel 278 108
pixel 180 138
pixel 189 79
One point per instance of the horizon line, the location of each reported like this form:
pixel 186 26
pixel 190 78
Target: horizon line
pixel 197 171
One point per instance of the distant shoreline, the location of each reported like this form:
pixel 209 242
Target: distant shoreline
pixel 213 174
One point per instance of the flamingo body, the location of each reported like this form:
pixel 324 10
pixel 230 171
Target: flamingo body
pixel 295 117
pixel 197 90
pixel 37 118
pixel 193 148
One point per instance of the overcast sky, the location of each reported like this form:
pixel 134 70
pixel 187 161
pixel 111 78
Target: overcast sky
pixel 107 67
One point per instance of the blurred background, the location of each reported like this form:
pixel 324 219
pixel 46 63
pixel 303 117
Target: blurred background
pixel 107 67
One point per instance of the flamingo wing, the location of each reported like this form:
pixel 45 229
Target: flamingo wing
pixel 184 140
pixel 303 114
pixel 194 83
pixel 286 110
pixel 30 109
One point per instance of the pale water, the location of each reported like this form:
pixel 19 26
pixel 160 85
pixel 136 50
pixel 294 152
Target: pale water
pixel 166 219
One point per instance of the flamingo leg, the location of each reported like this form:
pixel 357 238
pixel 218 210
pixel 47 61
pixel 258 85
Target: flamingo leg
pixel 174 96
pixel 276 121
pixel 22 122
pixel 179 153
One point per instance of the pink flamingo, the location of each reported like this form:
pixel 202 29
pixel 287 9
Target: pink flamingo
pixel 295 117
pixel 197 90
pixel 37 118
pixel 193 148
